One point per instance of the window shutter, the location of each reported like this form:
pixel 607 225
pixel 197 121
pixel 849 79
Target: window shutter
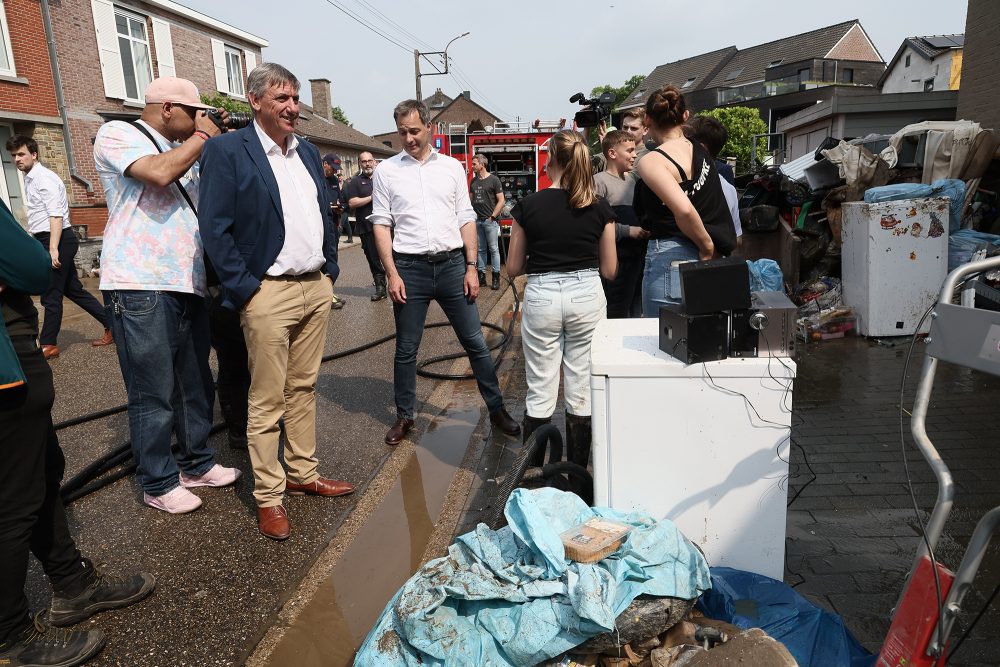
pixel 164 48
pixel 219 58
pixel 250 58
pixel 107 46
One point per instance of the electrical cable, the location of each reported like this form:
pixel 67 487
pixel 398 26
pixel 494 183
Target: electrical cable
pixel 361 22
pixel 968 630
pixel 87 480
pixel 392 25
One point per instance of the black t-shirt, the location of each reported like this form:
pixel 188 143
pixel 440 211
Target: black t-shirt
pixel 558 237
pixel 360 186
pixel 484 193
pixel 705 192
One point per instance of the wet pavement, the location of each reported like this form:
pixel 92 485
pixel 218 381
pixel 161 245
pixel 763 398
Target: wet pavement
pixel 221 584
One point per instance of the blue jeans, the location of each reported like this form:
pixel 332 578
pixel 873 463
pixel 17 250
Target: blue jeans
pixel 656 279
pixel 442 282
pixel 489 235
pixel 162 340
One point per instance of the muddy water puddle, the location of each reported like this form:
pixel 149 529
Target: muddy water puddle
pixel 384 553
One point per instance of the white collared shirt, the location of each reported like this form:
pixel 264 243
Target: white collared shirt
pixel 45 197
pixel 302 251
pixel 428 202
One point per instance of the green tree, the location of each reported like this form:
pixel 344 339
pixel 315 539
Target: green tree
pixel 220 101
pixel 338 114
pixel 621 92
pixel 741 123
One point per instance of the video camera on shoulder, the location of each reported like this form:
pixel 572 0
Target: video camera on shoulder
pixel 237 119
pixel 595 109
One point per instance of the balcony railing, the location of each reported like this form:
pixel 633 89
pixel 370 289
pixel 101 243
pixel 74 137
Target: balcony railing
pixel 753 91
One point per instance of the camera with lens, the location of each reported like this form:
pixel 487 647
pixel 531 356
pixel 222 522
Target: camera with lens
pixel 595 109
pixel 236 121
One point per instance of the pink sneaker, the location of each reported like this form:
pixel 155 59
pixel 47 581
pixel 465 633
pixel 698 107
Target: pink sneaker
pixel 177 501
pixel 216 476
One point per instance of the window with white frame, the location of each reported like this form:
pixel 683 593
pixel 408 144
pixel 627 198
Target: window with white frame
pixel 234 71
pixel 6 54
pixel 133 48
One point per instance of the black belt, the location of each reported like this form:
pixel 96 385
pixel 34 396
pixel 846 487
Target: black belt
pixel 432 257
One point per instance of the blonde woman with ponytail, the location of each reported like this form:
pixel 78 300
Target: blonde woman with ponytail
pixel 561 237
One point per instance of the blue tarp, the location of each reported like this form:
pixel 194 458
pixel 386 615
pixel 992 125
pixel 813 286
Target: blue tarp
pixel 765 276
pixel 964 242
pixel 510 597
pixel 952 188
pixel 814 636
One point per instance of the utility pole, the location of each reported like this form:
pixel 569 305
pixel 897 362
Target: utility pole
pixel 416 64
pixel 416 69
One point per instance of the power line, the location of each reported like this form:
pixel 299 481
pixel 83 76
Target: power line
pixel 403 31
pixel 463 79
pixel 377 32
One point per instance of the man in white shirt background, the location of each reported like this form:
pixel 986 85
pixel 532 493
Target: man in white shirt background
pixel 429 254
pixel 48 221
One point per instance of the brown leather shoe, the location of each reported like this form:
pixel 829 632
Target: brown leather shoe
pixel 50 351
pixel 320 487
pixel 505 422
pixel 398 431
pixel 106 339
pixel 273 522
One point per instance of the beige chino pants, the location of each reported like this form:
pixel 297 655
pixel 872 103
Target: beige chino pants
pixel 285 328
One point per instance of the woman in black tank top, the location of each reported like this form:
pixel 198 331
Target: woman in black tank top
pixel 679 200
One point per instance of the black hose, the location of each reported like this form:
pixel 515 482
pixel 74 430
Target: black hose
pixel 86 481
pixel 546 436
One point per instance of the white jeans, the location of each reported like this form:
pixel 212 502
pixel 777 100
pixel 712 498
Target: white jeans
pixel 561 311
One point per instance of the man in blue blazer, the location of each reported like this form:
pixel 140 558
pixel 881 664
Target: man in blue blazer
pixel 265 224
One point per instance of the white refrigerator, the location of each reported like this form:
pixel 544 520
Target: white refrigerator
pixel 893 260
pixel 704 445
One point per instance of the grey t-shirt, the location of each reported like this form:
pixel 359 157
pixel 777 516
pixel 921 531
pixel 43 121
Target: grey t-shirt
pixel 618 191
pixel 484 195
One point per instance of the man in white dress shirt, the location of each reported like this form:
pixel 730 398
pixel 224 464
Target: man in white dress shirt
pixel 431 256
pixel 48 221
pixel 265 222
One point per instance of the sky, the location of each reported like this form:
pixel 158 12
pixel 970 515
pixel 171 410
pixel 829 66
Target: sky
pixel 526 60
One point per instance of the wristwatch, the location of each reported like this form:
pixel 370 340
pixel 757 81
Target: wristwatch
pixel 470 263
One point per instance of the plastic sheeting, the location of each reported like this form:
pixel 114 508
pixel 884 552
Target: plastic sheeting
pixel 510 597
pixel 963 243
pixel 952 188
pixel 814 636
pixel 765 276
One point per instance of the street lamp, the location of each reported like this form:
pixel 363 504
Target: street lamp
pixel 416 63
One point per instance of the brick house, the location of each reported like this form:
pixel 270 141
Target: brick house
pixel 447 111
pixel 28 101
pixel 317 124
pixel 109 51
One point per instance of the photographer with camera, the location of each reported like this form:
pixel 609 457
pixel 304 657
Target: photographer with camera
pixel 153 276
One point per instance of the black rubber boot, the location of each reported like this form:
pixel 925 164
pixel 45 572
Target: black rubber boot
pixel 528 426
pixel 103 592
pixel 40 645
pixel 496 280
pixel 380 287
pixel 578 437
pixel 482 278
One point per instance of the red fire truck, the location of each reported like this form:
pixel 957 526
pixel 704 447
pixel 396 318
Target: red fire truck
pixel 517 155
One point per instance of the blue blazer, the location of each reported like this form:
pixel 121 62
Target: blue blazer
pixel 239 212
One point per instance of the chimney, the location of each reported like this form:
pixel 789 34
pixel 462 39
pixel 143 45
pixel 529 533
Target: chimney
pixel 467 95
pixel 321 97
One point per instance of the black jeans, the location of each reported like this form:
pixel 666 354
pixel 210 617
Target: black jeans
pixel 233 383
pixel 371 254
pixel 624 293
pixel 345 223
pixel 33 517
pixel 66 283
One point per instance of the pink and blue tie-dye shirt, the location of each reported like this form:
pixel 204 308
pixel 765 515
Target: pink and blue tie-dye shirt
pixel 151 241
